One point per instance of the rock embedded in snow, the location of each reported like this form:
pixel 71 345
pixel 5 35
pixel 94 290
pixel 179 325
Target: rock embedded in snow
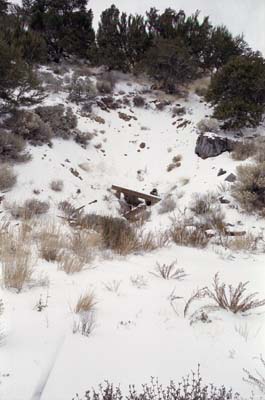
pixel 230 178
pixel 221 172
pixel 212 145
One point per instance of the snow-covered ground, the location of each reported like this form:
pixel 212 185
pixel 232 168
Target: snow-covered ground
pixel 138 332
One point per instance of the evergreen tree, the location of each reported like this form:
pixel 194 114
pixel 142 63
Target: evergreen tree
pixel 170 63
pixel 111 39
pixel 3 7
pixel 138 41
pixel 237 91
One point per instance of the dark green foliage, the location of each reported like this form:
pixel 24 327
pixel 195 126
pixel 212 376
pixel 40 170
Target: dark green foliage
pixel 3 7
pixel 61 120
pixel 12 147
pixel 111 39
pixel 221 46
pixel 238 92
pixel 18 82
pixel 66 26
pixel 170 63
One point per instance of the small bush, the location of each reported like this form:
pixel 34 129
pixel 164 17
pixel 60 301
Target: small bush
pixel 81 89
pixel 186 233
pixel 208 125
pixel 202 203
pixel 106 84
pixel 62 121
pixel 57 185
pixel 7 177
pixel 243 150
pixel 249 189
pixel 51 242
pixel 167 204
pixel 82 243
pixel 138 101
pixel 248 242
pixel 12 147
pixel 31 127
pixel 30 209
pixel 176 163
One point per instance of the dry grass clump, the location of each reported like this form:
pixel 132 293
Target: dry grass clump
pixel 167 204
pixel 249 189
pixel 51 242
pixel 202 203
pixel 16 258
pixel 244 150
pixel 186 233
pixel 248 242
pixel 169 271
pixel 30 209
pixel 7 177
pixel 70 263
pixel 231 299
pixel 82 242
pixel 57 185
pixel 84 310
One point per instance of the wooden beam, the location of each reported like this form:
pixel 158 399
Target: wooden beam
pixel 149 197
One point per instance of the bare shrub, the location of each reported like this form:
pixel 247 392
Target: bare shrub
pixel 167 204
pixel 12 147
pixel 84 310
pixel 249 189
pixel 70 263
pixel 57 185
pixel 191 387
pixel 138 101
pixel 30 209
pixel 176 163
pixel 7 177
pixel 106 84
pixel 112 286
pixel 62 121
pixel 82 243
pixel 230 299
pixel 256 379
pixel 185 233
pixel 30 126
pixel 202 203
pixel 68 209
pixel 243 150
pixel 139 281
pixel 169 271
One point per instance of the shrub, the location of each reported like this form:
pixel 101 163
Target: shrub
pixel 202 203
pixel 61 120
pixel 191 387
pixel 81 89
pixel 138 101
pixel 51 242
pixel 31 127
pixel 186 233
pixel 176 162
pixel 169 271
pixel 106 84
pixel 82 242
pixel 248 242
pixel 12 147
pixel 167 204
pixel 57 185
pixel 7 177
pixel 249 189
pixel 208 125
pixel 30 209
pixel 243 150
pixel 233 299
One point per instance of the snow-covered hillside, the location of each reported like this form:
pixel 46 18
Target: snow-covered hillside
pixel 140 329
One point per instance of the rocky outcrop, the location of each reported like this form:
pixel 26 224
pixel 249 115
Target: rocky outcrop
pixel 211 145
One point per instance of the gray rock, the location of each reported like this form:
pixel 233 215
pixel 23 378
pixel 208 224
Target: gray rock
pixel 211 145
pixel 230 178
pixel 221 172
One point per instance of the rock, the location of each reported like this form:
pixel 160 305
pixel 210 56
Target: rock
pixel 208 125
pixel 230 178
pixel 221 172
pixel 142 145
pixel 211 145
pixel 223 200
pixel 126 117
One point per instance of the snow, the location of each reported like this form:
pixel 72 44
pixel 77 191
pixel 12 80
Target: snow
pixel 137 332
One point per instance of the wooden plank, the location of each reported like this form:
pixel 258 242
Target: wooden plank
pixel 149 197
